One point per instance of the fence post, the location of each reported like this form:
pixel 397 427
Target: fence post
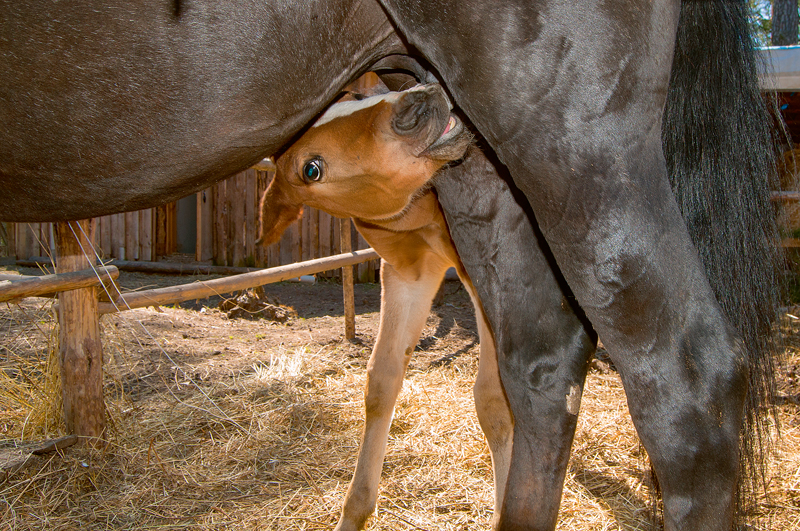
pixel 347 282
pixel 80 350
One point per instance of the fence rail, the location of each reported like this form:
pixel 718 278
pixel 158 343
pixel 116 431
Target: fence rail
pixel 206 288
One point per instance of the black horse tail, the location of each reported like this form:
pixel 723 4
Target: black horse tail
pixel 720 145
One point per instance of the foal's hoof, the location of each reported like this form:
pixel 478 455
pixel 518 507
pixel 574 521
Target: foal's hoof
pixel 344 526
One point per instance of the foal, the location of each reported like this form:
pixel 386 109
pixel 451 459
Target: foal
pixel 370 159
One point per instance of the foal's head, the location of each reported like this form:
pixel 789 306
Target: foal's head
pixel 364 158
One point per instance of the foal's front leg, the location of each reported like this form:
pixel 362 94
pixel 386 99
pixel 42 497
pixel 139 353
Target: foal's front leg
pixel 405 305
pixel 491 403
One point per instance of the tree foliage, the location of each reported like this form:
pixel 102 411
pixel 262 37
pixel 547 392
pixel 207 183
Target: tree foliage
pixel 761 21
pixel 773 21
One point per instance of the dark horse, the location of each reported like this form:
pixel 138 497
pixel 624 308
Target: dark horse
pixel 604 113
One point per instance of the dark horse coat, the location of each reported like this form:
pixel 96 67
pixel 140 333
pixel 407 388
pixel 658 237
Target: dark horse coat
pixel 122 105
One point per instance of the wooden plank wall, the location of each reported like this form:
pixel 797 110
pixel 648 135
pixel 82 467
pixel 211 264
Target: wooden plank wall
pixel 127 236
pixel 227 228
pixel 33 239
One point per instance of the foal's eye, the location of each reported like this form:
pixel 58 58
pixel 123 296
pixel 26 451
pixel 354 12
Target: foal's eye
pixel 312 171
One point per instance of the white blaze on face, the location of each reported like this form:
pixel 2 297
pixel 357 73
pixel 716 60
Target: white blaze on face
pixel 346 108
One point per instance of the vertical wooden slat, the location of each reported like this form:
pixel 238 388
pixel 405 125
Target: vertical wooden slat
pixel 146 234
pixel 264 255
pixel 311 243
pixel 325 234
pixel 160 232
pixel 215 214
pixel 230 235
pixel 10 231
pixel 16 249
pixel 23 235
pixel 237 211
pixel 109 249
pixel 251 216
pixel 131 235
pixel 34 244
pixel 347 283
pixel 305 235
pixel 337 236
pixel 98 235
pixel 220 225
pixel 19 239
pixel 205 226
pixel 51 240
pixel 47 250
pixel 288 242
pixel 153 229
pixel 337 242
pixel 41 247
pixel 274 254
pixel 12 244
pixel 296 247
pixel 198 223
pixel 44 239
pixel 80 350
pixel 315 233
pixel 172 227
pixel 117 235
pixel 32 240
pixel 104 228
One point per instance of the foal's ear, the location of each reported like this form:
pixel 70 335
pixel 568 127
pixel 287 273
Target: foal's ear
pixel 278 211
pixel 366 86
pixel 377 88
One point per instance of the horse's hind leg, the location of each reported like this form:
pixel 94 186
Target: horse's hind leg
pixel 603 201
pixel 579 89
pixel 686 403
pixel 405 306
pixel 542 346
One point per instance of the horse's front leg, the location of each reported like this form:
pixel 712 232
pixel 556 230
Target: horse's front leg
pixel 405 306
pixel 542 346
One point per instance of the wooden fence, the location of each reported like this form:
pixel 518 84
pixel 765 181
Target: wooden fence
pixel 226 227
pixel 80 349
pixel 142 235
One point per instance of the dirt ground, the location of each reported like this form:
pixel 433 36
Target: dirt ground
pixel 241 423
